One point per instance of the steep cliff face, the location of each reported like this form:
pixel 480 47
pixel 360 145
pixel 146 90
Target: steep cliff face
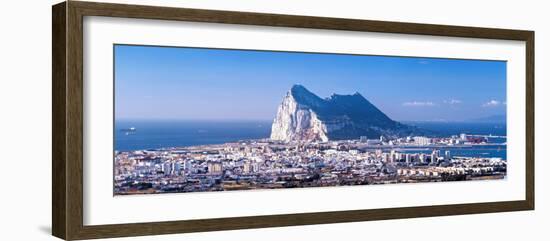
pixel 304 116
pixel 295 121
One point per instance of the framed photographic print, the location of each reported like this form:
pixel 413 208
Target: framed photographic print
pixel 171 120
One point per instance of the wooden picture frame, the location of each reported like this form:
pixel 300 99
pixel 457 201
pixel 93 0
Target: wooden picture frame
pixel 67 123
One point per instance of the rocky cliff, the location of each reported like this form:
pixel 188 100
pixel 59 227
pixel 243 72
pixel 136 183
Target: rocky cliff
pixel 304 116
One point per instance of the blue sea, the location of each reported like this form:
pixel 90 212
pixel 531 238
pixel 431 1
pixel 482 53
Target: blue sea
pixel 164 134
pixel 456 128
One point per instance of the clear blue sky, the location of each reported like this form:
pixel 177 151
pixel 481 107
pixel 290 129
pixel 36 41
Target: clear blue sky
pixel 209 84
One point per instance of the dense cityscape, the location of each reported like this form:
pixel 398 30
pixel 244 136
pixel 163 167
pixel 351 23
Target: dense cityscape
pixel 265 164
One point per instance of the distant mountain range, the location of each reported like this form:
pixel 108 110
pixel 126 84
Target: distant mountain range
pixel 304 116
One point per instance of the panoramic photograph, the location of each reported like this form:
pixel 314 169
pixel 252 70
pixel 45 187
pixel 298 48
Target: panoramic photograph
pixel 202 119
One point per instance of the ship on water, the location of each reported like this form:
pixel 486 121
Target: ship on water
pixel 129 131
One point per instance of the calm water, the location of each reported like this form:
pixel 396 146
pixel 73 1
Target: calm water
pixel 455 128
pixel 445 129
pixel 162 134
pixel 478 151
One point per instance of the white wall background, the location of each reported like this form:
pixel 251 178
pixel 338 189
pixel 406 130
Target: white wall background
pixel 25 119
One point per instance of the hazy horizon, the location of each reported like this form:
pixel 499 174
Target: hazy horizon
pixel 172 83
